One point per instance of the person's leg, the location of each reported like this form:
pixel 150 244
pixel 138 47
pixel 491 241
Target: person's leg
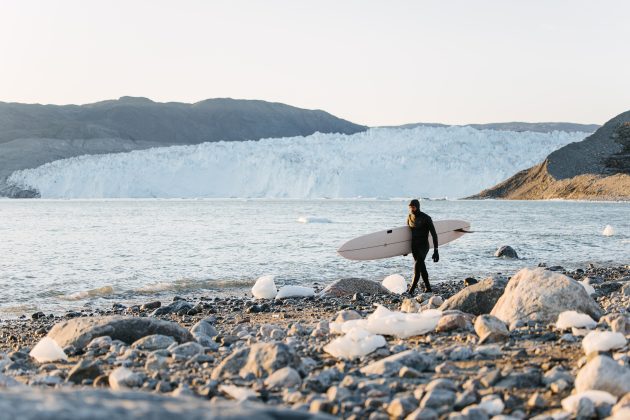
pixel 424 272
pixel 416 269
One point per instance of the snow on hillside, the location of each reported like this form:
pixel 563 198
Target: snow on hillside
pixel 381 162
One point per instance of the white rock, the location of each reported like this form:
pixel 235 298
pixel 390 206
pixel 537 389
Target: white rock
pixel 604 374
pixel 265 288
pixel 355 343
pixel 608 231
pixel 285 377
pixel 541 295
pixel 237 392
pixel 570 403
pixel 602 341
pixel 395 284
pixel 122 377
pixel 492 405
pixel 573 319
pixel 587 286
pixel 47 350
pixel 295 291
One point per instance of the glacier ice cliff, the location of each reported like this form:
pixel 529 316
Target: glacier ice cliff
pixel 381 162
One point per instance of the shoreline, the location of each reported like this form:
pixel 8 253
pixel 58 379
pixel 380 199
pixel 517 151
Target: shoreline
pixel 514 370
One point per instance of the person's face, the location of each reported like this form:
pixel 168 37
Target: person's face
pixel 412 209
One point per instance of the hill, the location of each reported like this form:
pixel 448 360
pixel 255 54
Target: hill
pixel 596 168
pixel 33 134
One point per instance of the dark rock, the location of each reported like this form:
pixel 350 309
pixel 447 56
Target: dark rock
pixel 151 305
pixel 79 332
pixel 469 281
pixel 85 369
pixel 506 251
pixel 478 298
pixel 180 307
pixel 38 315
pixel 391 365
pixel 351 286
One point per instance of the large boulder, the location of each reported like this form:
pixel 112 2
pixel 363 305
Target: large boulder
pixel 541 295
pixel 78 332
pixel 479 298
pixel 261 359
pixel 350 286
pixel 103 404
pixel 604 374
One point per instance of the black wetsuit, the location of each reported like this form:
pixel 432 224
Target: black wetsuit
pixel 421 225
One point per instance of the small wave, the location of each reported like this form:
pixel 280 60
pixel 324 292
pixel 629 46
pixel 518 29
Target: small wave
pixel 313 219
pixel 85 294
pixel 190 285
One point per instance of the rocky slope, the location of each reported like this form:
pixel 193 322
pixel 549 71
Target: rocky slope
pixel 597 168
pixel 33 134
pixel 209 353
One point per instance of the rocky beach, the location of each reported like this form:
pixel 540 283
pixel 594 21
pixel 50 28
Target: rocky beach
pixel 544 343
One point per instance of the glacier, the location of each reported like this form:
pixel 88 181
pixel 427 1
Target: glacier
pixel 424 161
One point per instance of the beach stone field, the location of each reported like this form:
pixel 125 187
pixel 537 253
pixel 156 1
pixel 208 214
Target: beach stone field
pixel 544 343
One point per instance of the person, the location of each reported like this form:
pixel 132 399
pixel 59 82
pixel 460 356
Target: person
pixel 421 225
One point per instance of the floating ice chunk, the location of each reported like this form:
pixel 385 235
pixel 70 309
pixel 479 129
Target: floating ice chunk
pixel 238 393
pixel 573 319
pixel 570 403
pixel 602 341
pixel 356 343
pixel 395 284
pixel 608 231
pixel 400 324
pixel 47 350
pixel 294 291
pixel 265 288
pixel 313 219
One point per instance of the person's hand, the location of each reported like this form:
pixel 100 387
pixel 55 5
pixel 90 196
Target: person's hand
pixel 436 256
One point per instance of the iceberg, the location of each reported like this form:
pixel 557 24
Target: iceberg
pixel 380 162
pixel 602 341
pixel 395 284
pixel 574 319
pixel 47 350
pixel 355 343
pixel 265 288
pixel 385 322
pixel 295 291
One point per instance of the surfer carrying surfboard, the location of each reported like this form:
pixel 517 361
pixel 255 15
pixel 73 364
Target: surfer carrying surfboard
pixel 421 225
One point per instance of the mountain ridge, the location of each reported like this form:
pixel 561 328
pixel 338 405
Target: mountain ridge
pixel 34 134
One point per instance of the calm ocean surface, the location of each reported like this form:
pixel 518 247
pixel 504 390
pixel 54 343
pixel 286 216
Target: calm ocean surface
pixel 62 254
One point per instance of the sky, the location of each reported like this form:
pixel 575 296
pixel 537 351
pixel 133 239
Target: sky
pixel 371 62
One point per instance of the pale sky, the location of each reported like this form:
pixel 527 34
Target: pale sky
pixel 372 62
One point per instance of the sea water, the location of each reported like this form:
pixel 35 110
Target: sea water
pixel 68 254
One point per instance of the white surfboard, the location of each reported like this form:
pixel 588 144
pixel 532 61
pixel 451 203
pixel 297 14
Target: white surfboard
pixel 397 241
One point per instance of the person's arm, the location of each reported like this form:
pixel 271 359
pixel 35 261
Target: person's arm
pixel 436 255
